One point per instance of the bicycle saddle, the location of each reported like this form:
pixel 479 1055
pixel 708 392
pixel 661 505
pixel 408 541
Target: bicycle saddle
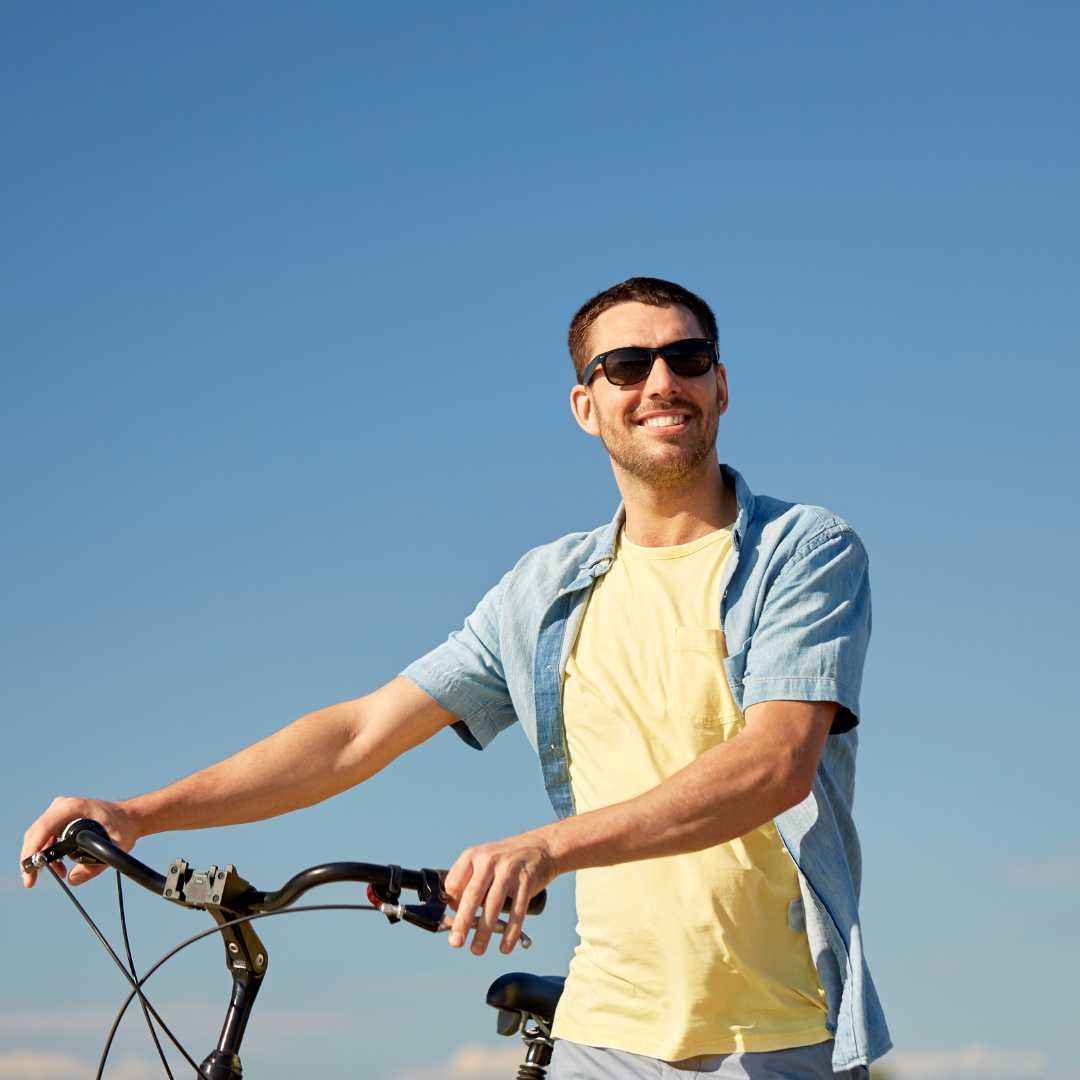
pixel 532 995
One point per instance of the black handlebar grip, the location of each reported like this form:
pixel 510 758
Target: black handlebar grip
pixel 72 830
pixel 66 846
pixel 536 904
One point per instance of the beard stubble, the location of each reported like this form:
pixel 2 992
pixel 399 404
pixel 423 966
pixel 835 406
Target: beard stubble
pixel 658 465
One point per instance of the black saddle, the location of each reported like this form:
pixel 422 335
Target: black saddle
pixel 520 996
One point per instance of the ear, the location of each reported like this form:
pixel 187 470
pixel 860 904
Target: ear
pixel 721 390
pixel 581 405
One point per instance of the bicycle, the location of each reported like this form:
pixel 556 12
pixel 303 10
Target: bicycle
pixel 525 1003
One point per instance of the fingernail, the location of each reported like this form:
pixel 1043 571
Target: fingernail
pixel 455 940
pixel 478 950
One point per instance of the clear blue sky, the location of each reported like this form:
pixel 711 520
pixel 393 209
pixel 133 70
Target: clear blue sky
pixel 283 389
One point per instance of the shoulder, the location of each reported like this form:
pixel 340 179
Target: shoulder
pixel 788 532
pixel 548 568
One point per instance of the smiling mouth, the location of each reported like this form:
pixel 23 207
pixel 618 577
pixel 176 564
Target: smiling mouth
pixel 664 421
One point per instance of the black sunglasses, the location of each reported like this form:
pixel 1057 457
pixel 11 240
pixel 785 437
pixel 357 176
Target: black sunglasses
pixel 632 363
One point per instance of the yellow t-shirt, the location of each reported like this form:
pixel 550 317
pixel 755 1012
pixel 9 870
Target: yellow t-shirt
pixel 686 954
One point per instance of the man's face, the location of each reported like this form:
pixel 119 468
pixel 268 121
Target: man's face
pixel 626 418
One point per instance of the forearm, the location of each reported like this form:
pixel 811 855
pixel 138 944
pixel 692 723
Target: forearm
pixel 317 756
pixel 301 764
pixel 311 759
pixel 727 792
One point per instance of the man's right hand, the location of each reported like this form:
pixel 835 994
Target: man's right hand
pixel 118 823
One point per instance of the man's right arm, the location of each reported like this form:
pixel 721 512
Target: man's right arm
pixel 319 755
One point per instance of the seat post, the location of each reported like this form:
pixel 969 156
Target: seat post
pixel 540 1046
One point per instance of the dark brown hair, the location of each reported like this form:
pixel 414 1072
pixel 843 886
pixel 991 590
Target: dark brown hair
pixel 644 290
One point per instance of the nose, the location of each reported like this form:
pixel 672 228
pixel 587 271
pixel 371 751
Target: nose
pixel 661 381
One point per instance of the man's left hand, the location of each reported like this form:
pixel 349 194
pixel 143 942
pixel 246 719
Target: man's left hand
pixel 516 868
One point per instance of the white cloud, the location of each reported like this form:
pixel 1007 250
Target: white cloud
pixel 31 1065
pixel 1050 872
pixel 984 1062
pixel 472 1061
pixel 26 1064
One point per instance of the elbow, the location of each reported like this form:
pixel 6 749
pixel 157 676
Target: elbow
pixel 793 780
pixel 795 792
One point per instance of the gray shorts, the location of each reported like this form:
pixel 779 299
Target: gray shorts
pixel 573 1061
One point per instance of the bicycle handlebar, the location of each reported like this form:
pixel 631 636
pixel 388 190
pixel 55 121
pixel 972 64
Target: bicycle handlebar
pixel 86 837
pixel 234 903
pixel 92 842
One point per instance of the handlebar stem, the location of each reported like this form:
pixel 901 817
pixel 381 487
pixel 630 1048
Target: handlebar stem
pixel 247 959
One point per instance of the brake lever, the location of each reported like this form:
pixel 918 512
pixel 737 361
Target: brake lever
pixel 500 928
pixel 433 918
pixel 65 847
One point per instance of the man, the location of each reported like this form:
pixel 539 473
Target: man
pixel 689 676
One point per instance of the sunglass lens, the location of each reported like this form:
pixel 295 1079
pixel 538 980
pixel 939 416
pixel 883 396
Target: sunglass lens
pixel 689 358
pixel 623 367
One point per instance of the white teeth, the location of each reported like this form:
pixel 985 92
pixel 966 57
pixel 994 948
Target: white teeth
pixel 663 421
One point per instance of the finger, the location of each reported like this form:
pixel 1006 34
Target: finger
pixel 28 876
pixel 33 842
pixel 470 901
pixel 457 877
pixel 489 918
pixel 517 914
pixel 465 917
pixel 81 873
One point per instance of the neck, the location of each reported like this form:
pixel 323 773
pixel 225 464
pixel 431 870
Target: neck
pixel 678 512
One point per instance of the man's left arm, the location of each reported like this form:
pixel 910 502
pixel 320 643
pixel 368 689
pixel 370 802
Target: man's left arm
pixel 802 680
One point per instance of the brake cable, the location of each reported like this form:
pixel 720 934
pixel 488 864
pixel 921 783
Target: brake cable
pixel 135 974
pixel 198 937
pixel 137 983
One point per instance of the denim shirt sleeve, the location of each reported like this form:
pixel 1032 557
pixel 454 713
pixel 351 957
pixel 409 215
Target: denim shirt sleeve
pixel 465 674
pixel 810 641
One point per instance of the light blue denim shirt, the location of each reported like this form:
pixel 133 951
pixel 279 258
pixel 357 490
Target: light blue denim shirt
pixel 795 608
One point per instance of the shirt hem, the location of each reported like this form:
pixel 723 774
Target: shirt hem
pixel 753 1044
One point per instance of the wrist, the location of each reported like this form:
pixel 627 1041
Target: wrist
pixel 554 840
pixel 137 817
